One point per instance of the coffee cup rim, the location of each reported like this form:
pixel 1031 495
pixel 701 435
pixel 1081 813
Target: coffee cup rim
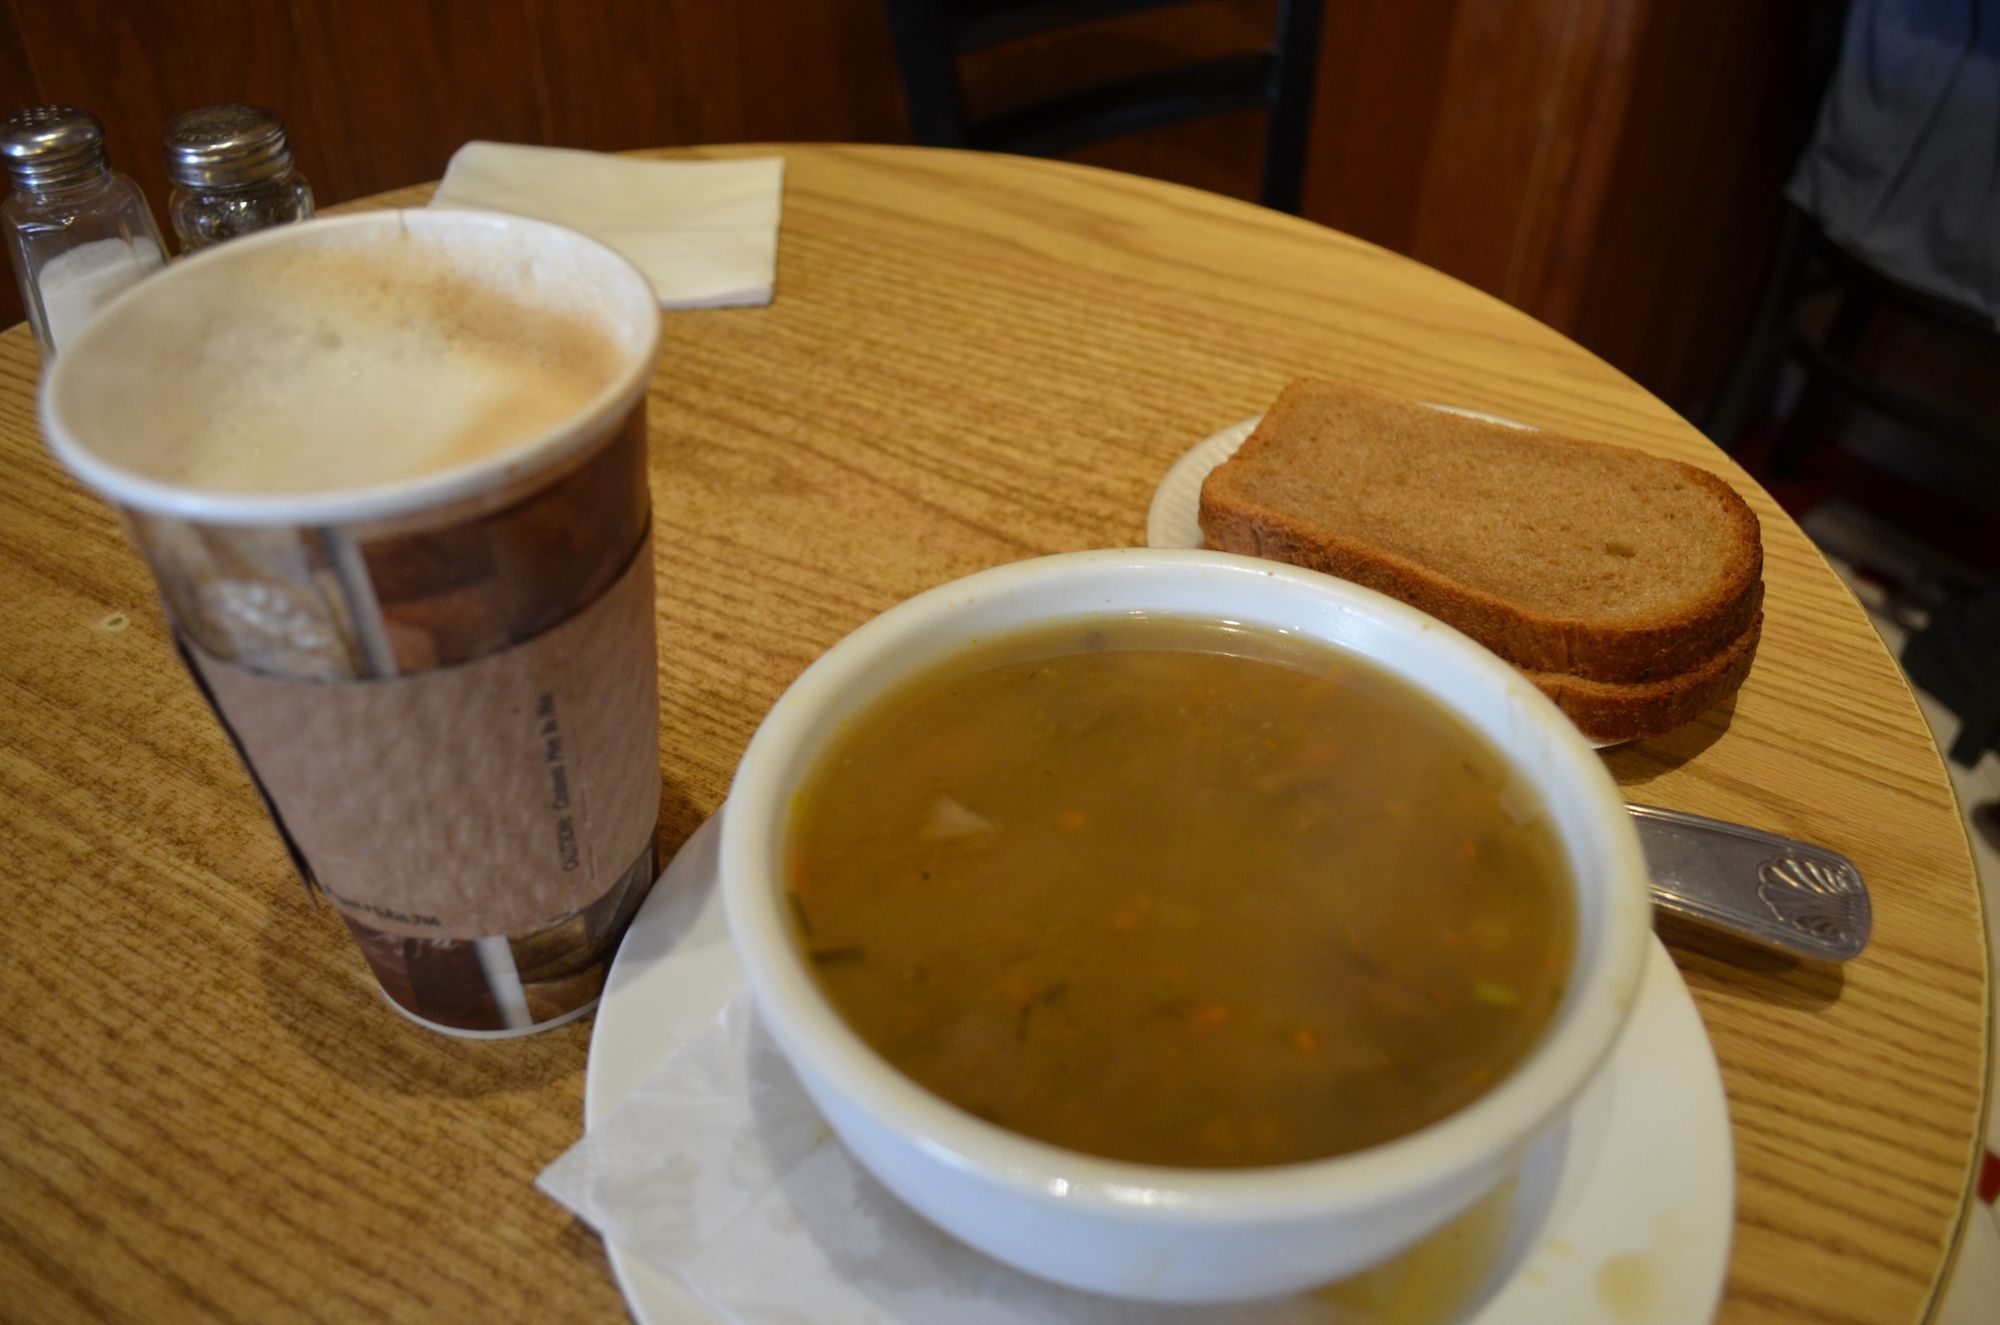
pixel 367 503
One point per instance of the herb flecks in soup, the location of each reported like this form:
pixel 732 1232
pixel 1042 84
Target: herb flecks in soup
pixel 1174 892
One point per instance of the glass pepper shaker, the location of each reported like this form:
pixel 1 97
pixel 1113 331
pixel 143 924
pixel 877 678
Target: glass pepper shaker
pixel 78 232
pixel 233 174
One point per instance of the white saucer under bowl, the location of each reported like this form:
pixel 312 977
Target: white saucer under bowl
pixel 1623 1213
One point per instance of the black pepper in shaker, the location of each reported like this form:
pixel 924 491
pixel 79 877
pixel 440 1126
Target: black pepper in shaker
pixel 233 174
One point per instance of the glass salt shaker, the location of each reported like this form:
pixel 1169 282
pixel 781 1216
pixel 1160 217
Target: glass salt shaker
pixel 232 172
pixel 78 232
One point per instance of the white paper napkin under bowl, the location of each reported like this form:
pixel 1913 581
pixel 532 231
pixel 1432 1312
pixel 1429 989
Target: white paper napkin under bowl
pixel 719 1170
pixel 714 1167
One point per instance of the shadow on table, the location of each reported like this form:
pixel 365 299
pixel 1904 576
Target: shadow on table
pixel 318 990
pixel 1710 960
pixel 1716 963
pixel 1638 763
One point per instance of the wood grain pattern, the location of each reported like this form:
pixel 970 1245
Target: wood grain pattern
pixel 1610 166
pixel 138 65
pixel 1697 114
pixel 679 66
pixel 398 86
pixel 211 1115
pixel 17 72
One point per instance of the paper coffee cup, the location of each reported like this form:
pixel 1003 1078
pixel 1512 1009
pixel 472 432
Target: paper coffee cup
pixel 389 472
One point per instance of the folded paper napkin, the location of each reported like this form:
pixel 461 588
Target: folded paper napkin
pixel 718 1170
pixel 705 232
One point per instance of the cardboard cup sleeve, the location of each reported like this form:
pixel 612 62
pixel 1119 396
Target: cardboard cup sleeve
pixel 485 828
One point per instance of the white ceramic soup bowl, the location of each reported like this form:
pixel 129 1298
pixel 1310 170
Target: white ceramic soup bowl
pixel 1143 1231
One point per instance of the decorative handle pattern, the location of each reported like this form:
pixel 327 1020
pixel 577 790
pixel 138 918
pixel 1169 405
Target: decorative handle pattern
pixel 1821 896
pixel 1775 891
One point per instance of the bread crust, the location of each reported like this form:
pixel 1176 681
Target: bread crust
pixel 1614 713
pixel 1666 646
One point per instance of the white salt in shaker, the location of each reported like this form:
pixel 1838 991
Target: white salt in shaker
pixel 78 232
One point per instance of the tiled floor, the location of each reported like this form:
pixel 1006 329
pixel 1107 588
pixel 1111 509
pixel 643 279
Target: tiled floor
pixel 1973 1296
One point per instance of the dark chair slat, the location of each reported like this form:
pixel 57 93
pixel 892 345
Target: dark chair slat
pixel 1213 87
pixel 979 24
pixel 930 35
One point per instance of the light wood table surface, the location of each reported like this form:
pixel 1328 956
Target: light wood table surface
pixel 208 1113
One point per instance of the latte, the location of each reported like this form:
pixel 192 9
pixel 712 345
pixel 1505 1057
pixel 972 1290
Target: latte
pixel 390 472
pixel 347 364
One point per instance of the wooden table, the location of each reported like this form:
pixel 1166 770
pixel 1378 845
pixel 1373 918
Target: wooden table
pixel 208 1113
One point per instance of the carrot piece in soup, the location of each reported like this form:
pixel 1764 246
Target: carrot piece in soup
pixel 1017 986
pixel 1315 755
pixel 1131 914
pixel 1209 1019
pixel 797 878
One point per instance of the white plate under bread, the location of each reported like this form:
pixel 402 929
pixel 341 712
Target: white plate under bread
pixel 1175 517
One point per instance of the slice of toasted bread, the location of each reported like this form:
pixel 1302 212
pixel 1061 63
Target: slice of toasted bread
pixel 1573 558
pixel 1613 713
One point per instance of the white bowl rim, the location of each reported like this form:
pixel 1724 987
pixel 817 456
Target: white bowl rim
pixel 380 501
pixel 1507 1117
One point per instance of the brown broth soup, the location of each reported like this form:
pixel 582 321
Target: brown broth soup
pixel 1180 893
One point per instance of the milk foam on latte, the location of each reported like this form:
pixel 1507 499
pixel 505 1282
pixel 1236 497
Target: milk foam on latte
pixel 360 361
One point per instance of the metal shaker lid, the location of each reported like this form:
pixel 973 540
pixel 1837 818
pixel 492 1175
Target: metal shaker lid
pixel 226 147
pixel 50 146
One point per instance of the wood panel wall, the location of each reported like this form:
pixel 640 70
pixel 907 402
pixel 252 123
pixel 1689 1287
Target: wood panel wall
pixel 1611 166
